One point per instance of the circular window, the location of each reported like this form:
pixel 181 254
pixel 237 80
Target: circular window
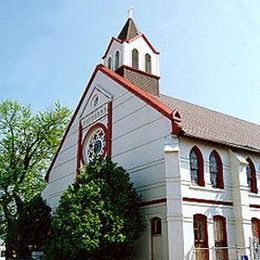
pixel 95 143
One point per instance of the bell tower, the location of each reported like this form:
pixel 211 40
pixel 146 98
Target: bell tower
pixel 133 56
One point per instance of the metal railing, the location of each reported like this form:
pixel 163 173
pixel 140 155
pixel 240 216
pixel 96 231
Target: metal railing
pixel 227 253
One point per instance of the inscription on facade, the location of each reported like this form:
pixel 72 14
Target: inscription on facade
pixel 94 116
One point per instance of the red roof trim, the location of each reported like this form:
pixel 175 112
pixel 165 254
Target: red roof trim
pixel 150 44
pixel 146 40
pixel 152 202
pixel 146 97
pixel 149 99
pixel 109 45
pixel 130 40
pixel 71 122
pixel 217 202
pixel 257 206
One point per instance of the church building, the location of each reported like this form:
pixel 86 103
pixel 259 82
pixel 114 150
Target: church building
pixel 197 170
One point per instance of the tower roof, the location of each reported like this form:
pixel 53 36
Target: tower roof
pixel 129 30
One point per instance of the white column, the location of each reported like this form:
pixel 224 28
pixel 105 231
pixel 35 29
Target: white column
pixel 174 200
pixel 240 199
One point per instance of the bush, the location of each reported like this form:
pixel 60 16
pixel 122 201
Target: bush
pixel 98 216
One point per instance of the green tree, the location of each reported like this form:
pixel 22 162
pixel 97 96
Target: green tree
pixel 28 142
pixel 32 226
pixel 98 217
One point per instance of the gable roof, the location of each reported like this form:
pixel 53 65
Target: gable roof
pixel 214 126
pixel 129 30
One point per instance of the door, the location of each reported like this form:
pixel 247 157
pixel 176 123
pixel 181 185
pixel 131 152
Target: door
pixel 200 237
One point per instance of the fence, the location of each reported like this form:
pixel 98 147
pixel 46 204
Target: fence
pixel 227 253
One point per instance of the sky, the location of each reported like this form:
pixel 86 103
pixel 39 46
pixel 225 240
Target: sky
pixel 209 49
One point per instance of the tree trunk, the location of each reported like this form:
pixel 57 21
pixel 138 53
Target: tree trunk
pixel 9 255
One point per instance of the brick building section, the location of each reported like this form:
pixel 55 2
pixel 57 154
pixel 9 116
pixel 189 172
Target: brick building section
pixel 147 82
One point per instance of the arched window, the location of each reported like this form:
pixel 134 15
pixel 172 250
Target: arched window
pixel 156 226
pixel 255 227
pixel 148 63
pixel 216 170
pixel 196 166
pixel 135 59
pixel 109 63
pixel 251 176
pixel 117 59
pixel 200 230
pixel 220 236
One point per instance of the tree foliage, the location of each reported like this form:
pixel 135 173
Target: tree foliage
pixel 27 144
pixel 32 226
pixel 98 217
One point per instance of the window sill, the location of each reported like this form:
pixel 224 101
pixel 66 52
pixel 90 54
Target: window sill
pixel 197 187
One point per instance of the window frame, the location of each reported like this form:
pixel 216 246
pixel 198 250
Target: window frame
pixel 200 170
pixel 203 219
pixel 135 59
pixel 148 63
pixel 117 59
pixel 255 221
pixel 219 172
pixel 253 184
pixel 110 63
pixel 156 226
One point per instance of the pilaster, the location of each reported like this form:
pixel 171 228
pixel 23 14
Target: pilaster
pixel 174 199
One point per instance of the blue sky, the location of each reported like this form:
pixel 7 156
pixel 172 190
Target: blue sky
pixel 210 50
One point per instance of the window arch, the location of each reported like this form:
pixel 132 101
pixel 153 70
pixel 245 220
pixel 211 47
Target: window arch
pixel 200 230
pixel 251 176
pixel 196 166
pixel 109 63
pixel 156 226
pixel 216 170
pixel 255 227
pixel 135 59
pixel 117 59
pixel 148 63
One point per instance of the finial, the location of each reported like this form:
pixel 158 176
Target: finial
pixel 130 12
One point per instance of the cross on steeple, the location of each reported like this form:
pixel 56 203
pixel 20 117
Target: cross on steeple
pixel 130 12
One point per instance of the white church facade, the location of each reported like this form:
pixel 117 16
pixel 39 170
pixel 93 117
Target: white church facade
pixel 197 170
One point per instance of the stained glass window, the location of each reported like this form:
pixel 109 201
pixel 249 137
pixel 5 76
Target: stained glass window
pixel 95 144
pixel 213 168
pixel 251 176
pixel 194 167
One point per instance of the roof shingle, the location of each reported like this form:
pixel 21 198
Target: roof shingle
pixel 129 30
pixel 214 126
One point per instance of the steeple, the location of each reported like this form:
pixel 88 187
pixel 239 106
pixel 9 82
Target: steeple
pixel 129 30
pixel 133 56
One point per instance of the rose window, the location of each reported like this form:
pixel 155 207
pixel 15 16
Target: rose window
pixel 95 144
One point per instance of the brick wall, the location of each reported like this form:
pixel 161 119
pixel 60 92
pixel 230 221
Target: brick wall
pixel 149 83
